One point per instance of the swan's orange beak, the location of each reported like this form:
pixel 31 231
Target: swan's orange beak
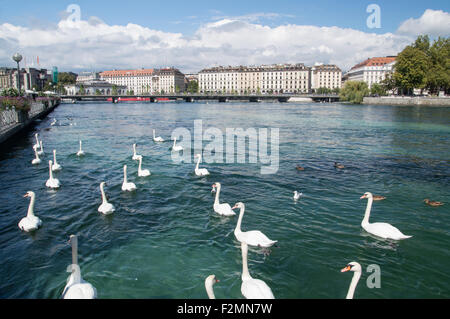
pixel 26 195
pixel 235 206
pixel 346 268
pixel 363 196
pixel 217 280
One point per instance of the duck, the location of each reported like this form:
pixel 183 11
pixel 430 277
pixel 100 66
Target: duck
pixel 432 203
pixel 356 268
pixel 175 147
pixel 200 171
pixel 142 172
pixel 297 195
pixel 77 287
pixel 80 152
pixel 383 230
pixel 30 222
pixel 52 182
pixel 209 283
pixel 378 197
pixel 127 186
pixel 157 139
pixel 337 165
pixel 135 157
pixel 55 166
pixel 253 237
pixel 299 168
pixel 36 160
pixel 105 208
pixel 223 209
pixel 252 288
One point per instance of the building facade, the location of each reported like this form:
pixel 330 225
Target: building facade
pixel 88 76
pixel 326 76
pixel 95 87
pixel 277 78
pixel 30 78
pixel 372 70
pixel 169 80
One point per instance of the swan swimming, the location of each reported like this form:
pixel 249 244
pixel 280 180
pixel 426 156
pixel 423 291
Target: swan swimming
pixel 253 237
pixel 30 222
pixel 142 172
pixel 221 209
pixel 175 147
pixel 36 160
pixel 52 182
pixel 41 152
pixel 200 171
pixel 80 152
pixel 37 145
pixel 127 186
pixel 209 282
pixel 252 288
pixel 157 139
pixel 105 207
pixel 356 268
pixel 77 287
pixel 297 195
pixel 383 230
pixel 55 166
pixel 135 157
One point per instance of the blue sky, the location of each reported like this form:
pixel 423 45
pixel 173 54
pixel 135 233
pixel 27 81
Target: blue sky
pixel 185 16
pixel 195 34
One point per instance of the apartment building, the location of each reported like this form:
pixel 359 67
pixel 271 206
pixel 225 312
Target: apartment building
pixel 372 70
pixel 326 76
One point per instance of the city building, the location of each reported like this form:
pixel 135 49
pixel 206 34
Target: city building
pixel 87 76
pixel 326 76
pixel 94 87
pixel 30 78
pixel 147 81
pixel 372 70
pixel 6 78
pixel 276 78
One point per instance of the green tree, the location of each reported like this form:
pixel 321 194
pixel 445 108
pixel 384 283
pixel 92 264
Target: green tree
pixel 377 89
pixel 354 91
pixel 82 90
pixel 410 69
pixel 438 77
pixel 192 86
pixel 67 78
pixel 114 90
pixel 323 90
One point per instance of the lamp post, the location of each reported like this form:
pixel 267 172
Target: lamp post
pixel 17 57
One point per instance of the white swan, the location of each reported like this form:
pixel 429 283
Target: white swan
pixel 157 139
pixel 105 207
pixel 127 186
pixel 142 172
pixel 41 152
pixel 297 195
pixel 135 157
pixel 221 209
pixel 37 145
pixel 55 166
pixel 209 282
pixel 30 222
pixel 54 122
pixel 77 287
pixel 52 182
pixel 175 147
pixel 252 288
pixel 356 268
pixel 253 237
pixel 383 230
pixel 200 171
pixel 36 160
pixel 80 152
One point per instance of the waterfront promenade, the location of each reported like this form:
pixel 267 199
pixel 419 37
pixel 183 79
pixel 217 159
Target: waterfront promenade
pixel 408 100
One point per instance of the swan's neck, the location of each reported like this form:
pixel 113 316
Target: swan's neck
pixel 103 194
pixel 80 146
pixel 31 206
pixel 140 165
pixel 351 289
pixel 74 242
pixel 154 134
pixel 36 153
pixel 210 291
pixel 124 174
pixel 238 225
pixel 42 147
pixel 50 169
pixel 198 162
pixel 134 149
pixel 245 272
pixel 174 142
pixel 216 200
pixel 37 140
pixel 54 158
pixel 365 221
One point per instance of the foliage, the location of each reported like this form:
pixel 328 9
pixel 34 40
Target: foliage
pixel 354 91
pixel 377 89
pixel 12 92
pixel 66 78
pixel 114 90
pixel 192 87
pixel 17 102
pixel 323 90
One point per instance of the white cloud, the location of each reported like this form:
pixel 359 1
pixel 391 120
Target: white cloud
pixel 78 45
pixel 432 22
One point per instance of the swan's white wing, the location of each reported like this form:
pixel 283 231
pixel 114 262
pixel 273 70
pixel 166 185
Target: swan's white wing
pixel 224 209
pixel 255 238
pixel 385 230
pixel 80 291
pixel 256 289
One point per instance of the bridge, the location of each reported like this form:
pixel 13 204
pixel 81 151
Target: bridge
pixel 197 97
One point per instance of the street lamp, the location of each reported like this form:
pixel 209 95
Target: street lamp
pixel 17 57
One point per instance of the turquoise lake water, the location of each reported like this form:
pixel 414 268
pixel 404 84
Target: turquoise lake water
pixel 164 239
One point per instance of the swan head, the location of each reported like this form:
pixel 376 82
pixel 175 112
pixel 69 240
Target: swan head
pixel 102 184
pixel 211 280
pixel 238 205
pixel 366 195
pixel 353 266
pixel 29 194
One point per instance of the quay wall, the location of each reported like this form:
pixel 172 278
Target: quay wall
pixel 408 100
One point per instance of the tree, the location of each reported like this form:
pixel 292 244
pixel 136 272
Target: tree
pixel 67 78
pixel 192 86
pixel 438 77
pixel 354 91
pixel 323 90
pixel 377 89
pixel 114 90
pixel 411 69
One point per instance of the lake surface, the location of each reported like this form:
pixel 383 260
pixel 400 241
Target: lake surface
pixel 164 239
